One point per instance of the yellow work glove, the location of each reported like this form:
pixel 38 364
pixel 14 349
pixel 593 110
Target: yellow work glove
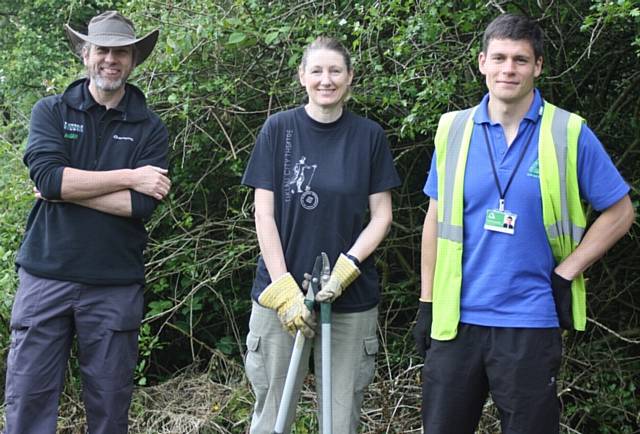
pixel 344 272
pixel 284 296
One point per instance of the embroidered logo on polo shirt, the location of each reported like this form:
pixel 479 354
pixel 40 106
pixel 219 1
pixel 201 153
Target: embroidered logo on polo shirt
pixel 117 137
pixel 534 170
pixel 70 126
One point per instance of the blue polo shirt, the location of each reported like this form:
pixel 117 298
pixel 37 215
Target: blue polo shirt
pixel 506 278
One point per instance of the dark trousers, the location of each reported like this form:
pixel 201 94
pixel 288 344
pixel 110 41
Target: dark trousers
pixel 518 366
pixel 46 314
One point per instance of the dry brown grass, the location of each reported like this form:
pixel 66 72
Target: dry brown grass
pixel 219 400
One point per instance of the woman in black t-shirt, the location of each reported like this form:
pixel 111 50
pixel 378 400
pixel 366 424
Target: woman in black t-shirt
pixel 316 171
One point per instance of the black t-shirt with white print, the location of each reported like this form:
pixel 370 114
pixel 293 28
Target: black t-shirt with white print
pixel 321 176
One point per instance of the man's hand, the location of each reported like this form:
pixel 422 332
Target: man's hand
pixel 284 296
pixel 152 181
pixel 344 272
pixel 39 195
pixel 422 330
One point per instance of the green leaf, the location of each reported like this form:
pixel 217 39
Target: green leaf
pixel 158 306
pixel 226 344
pixel 271 37
pixel 236 38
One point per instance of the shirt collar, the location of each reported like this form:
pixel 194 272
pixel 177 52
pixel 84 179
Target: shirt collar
pixel 87 97
pixel 91 102
pixel 481 115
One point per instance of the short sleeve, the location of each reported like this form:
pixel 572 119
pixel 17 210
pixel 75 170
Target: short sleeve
pixel 431 186
pixel 259 171
pixel 383 171
pixel 601 184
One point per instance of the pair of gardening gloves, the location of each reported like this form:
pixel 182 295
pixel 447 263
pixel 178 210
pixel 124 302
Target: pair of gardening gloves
pixel 285 297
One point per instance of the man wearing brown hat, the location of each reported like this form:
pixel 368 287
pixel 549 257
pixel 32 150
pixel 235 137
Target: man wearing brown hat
pixel 98 157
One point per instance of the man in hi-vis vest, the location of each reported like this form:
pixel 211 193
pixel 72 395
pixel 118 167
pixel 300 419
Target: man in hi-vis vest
pixel 504 243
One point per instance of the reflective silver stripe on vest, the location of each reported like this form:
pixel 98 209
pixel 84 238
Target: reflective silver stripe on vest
pixel 559 125
pixel 446 229
pixel 450 232
pixel 562 228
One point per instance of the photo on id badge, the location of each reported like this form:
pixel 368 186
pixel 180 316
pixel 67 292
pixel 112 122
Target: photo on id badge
pixel 500 221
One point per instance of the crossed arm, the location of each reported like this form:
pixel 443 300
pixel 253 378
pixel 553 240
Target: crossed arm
pixel 122 192
pixel 109 191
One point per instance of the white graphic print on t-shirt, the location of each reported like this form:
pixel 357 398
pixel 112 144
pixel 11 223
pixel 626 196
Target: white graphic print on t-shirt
pixel 300 183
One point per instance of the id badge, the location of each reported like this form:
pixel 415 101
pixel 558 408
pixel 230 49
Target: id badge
pixel 500 221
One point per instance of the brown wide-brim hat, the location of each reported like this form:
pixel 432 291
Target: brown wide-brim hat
pixel 111 29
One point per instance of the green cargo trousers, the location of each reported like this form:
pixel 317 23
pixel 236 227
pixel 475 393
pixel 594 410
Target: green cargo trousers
pixel 354 346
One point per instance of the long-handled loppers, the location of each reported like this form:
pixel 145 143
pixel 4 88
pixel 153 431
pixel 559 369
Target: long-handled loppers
pixel 298 346
pixel 325 321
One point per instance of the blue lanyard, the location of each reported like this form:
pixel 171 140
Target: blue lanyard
pixel 503 193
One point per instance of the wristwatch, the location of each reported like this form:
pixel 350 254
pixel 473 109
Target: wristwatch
pixel 353 259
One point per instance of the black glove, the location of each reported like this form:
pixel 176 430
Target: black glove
pixel 561 289
pixel 422 330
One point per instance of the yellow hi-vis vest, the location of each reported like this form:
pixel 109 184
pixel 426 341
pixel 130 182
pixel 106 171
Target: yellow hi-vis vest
pixel 563 212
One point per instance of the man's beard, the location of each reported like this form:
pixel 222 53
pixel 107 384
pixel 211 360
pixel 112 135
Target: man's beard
pixel 105 84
